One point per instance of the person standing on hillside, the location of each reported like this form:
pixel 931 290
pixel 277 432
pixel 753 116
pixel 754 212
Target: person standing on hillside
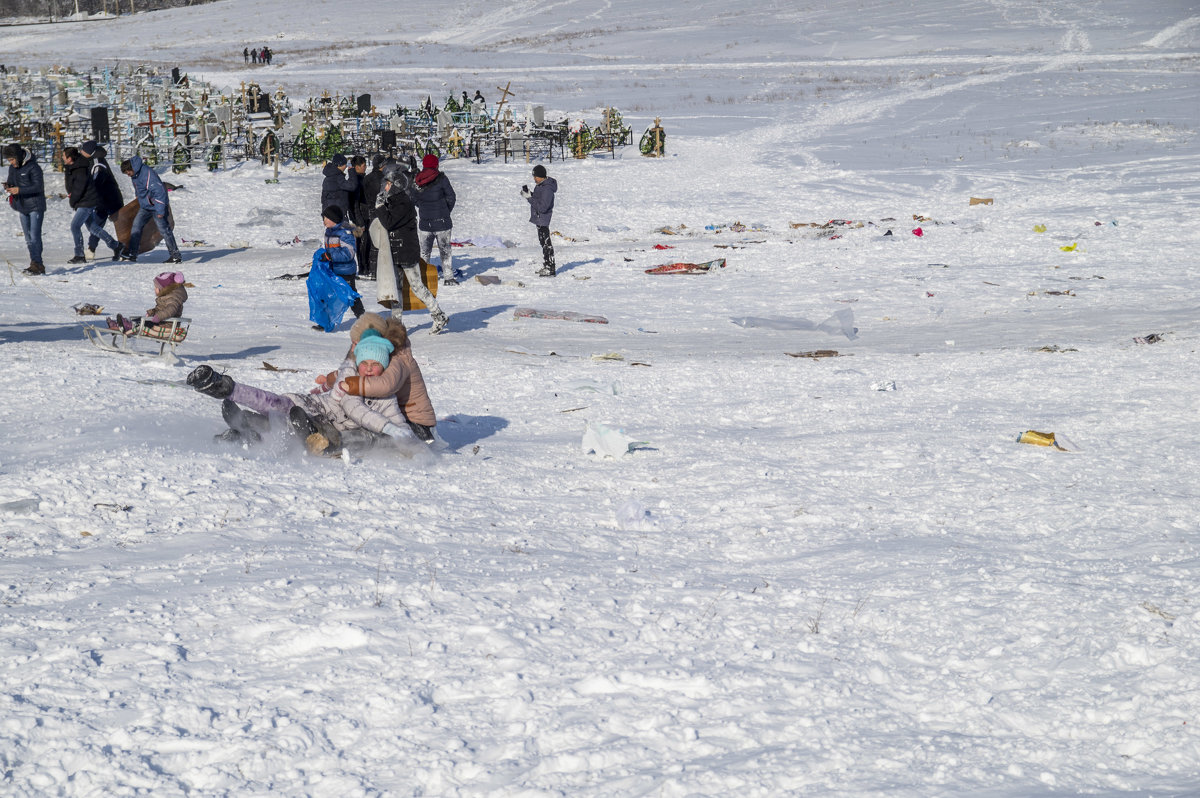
pixel 398 217
pixel 154 204
pixel 360 215
pixel 372 183
pixel 541 208
pixel 111 200
pixel 246 54
pixel 83 197
pixel 434 197
pixel 27 196
pixel 338 187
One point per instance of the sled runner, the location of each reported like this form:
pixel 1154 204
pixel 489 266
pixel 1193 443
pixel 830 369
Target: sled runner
pixel 688 268
pixel 169 333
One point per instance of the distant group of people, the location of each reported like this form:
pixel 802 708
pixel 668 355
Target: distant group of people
pixel 94 196
pixel 257 55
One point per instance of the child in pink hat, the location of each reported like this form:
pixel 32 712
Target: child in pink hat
pixel 169 296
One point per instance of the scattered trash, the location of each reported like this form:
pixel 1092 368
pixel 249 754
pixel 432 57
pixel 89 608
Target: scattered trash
pixel 1036 438
pixel 664 246
pixel 607 442
pixel 1055 348
pixel 268 367
pixel 981 200
pixel 816 353
pixel 1152 338
pixel 1039 228
pixel 884 385
pixel 688 268
pixel 918 232
pixel 21 506
pixel 88 309
pixel 1070 247
pixel 561 315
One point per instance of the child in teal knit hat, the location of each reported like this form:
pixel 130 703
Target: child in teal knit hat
pixel 372 353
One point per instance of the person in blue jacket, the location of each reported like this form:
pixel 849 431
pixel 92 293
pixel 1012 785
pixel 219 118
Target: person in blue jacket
pixel 338 250
pixel 154 204
pixel 27 196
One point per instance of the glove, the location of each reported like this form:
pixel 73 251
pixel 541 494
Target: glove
pixel 399 434
pixel 525 192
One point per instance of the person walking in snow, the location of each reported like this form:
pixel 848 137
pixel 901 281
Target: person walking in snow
pixel 398 217
pixel 541 208
pixel 111 200
pixel 84 197
pixel 434 197
pixel 27 196
pixel 154 204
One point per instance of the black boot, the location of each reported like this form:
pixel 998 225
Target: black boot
pixel 249 425
pixel 210 383
pixel 319 438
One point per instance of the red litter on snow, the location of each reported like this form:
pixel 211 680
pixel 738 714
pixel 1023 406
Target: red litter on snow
pixel 918 232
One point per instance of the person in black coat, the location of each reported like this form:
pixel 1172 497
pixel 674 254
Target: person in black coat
pixel 84 198
pixel 338 187
pixel 434 198
pixel 360 212
pixel 371 185
pixel 398 216
pixel 27 196
pixel 111 199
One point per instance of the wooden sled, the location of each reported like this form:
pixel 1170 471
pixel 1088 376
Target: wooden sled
pixel 169 333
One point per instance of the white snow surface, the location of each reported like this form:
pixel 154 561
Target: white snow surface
pixel 820 577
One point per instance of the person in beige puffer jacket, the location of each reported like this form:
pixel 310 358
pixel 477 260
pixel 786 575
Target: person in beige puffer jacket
pixel 402 378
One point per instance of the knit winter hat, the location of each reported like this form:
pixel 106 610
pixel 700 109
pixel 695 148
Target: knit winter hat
pixel 338 160
pixel 430 161
pixel 373 346
pixel 334 214
pixel 539 171
pixel 14 151
pixel 88 148
pixel 167 279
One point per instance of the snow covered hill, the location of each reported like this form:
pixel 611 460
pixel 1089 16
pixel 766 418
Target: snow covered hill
pixel 820 576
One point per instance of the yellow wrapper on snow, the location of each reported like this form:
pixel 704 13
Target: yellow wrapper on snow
pixel 1044 439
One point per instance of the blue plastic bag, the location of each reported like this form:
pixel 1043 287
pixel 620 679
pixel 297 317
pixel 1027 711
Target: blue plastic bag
pixel 329 296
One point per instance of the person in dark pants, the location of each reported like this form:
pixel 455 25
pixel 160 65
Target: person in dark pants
pixel 84 197
pixel 372 183
pixel 541 207
pixel 111 200
pixel 153 204
pixel 360 215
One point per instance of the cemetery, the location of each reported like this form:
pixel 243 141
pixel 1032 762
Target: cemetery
pixel 166 117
